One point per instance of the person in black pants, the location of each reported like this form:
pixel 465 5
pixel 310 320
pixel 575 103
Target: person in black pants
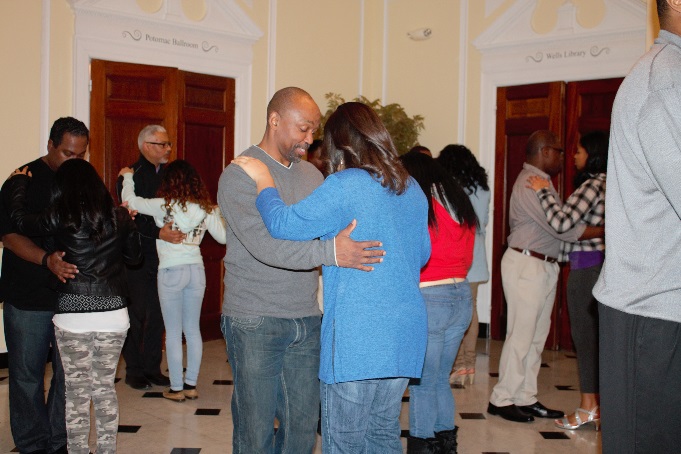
pixel 27 289
pixel 142 350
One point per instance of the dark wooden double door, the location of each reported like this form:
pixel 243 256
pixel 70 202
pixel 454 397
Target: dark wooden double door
pixel 197 110
pixel 568 109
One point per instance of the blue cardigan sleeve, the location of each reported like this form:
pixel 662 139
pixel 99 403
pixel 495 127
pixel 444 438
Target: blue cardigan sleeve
pixel 319 214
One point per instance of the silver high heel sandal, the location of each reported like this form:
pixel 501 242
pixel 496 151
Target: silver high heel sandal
pixel 592 419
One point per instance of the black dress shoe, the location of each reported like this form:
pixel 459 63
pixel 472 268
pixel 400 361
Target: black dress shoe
pixel 158 379
pixel 136 382
pixel 540 411
pixel 509 412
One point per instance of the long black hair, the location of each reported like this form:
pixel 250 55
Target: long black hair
pixel 596 145
pixel 433 178
pixel 460 162
pixel 355 137
pixel 81 202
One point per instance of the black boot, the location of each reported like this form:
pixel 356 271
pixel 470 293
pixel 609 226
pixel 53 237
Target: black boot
pixel 447 440
pixel 422 445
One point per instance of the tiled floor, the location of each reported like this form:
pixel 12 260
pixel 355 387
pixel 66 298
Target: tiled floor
pixel 151 424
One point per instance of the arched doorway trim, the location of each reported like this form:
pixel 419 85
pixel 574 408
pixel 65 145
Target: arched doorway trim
pixel 218 43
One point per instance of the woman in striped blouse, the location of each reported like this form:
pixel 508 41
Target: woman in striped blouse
pixel 585 205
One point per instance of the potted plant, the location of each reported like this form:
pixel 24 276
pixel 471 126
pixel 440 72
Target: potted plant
pixel 403 129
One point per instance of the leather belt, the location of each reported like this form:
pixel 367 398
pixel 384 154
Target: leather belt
pixel 536 255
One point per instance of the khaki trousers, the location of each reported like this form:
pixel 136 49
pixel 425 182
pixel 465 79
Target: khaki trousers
pixel 530 289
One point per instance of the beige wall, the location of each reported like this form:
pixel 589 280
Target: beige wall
pixel 320 45
pixel 20 25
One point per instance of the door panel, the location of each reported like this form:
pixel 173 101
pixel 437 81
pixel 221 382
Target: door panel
pixel 124 99
pixel 206 130
pixel 198 113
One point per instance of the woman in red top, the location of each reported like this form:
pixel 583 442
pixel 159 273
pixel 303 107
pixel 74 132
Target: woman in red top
pixel 451 224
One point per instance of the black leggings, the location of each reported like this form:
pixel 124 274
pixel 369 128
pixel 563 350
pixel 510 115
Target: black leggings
pixel 583 309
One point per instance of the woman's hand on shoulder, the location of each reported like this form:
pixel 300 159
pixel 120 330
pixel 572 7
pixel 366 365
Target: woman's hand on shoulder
pixel 537 183
pixel 22 171
pixel 125 170
pixel 253 167
pixel 257 170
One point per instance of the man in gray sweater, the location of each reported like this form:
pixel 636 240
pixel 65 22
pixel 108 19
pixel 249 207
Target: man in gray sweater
pixel 270 316
pixel 640 285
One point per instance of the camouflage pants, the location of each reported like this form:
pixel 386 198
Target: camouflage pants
pixel 89 361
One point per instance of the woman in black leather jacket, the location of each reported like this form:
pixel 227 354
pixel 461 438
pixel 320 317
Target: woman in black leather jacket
pixel 91 320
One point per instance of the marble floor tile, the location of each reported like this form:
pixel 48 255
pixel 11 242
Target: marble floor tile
pixel 153 425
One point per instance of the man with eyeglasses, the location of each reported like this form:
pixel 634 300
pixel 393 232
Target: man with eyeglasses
pixel 142 349
pixel 529 275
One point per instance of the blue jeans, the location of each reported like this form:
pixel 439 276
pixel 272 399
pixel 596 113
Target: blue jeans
pixel 180 290
pixel 362 416
pixel 431 404
pixel 275 363
pixel 36 425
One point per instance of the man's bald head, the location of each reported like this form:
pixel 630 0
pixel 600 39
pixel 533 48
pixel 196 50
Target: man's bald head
pixel 285 99
pixel 538 140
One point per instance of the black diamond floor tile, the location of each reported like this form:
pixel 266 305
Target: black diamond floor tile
pixel 223 382
pixel 185 451
pixel 404 434
pixel 154 394
pixel 544 365
pixel 405 398
pixel 472 416
pixel 207 411
pixel 457 386
pixel 565 388
pixel 494 374
pixel 116 380
pixel 128 429
pixel 495 452
pixel 554 435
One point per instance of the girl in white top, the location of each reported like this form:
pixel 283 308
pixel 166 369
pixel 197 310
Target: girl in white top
pixel 183 199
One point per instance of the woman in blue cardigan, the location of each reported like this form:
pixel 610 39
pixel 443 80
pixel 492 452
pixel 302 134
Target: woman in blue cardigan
pixel 374 325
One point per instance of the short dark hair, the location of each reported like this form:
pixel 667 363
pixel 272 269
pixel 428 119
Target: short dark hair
pixel 661 8
pixel 538 140
pixel 68 125
pixel 662 12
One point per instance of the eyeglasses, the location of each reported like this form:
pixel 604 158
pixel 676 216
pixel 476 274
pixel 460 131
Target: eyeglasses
pixel 162 144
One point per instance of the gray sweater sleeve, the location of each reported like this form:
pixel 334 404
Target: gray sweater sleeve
pixel 236 198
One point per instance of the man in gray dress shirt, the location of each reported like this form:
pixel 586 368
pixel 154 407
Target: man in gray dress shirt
pixel 529 273
pixel 640 284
